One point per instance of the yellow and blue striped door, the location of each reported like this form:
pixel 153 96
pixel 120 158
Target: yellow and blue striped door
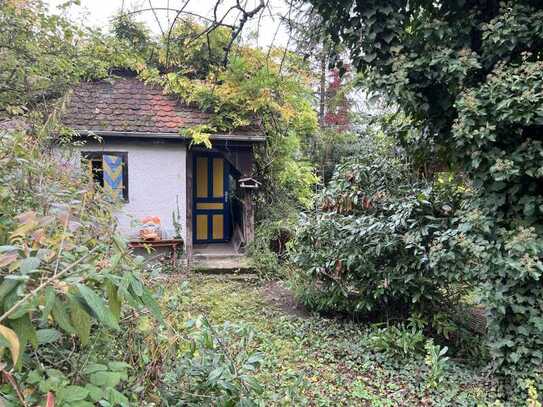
pixel 112 166
pixel 210 199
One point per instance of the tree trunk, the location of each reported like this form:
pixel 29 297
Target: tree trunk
pixel 322 88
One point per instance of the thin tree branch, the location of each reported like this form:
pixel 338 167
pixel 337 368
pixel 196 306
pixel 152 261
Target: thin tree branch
pixel 156 17
pixel 172 25
pixel 189 13
pixel 44 284
pixel 246 15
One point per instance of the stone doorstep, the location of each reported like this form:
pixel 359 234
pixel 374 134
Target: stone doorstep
pixel 234 263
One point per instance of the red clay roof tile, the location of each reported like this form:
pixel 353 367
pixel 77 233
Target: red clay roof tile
pixel 127 104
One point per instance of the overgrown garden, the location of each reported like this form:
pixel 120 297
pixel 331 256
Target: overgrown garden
pixel 467 214
pixel 397 230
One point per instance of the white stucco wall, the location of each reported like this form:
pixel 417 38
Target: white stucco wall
pixel 156 177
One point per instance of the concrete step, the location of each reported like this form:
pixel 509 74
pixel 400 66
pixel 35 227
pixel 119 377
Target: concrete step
pixel 217 256
pixel 222 264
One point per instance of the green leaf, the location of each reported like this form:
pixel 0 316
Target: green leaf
pixel 25 331
pixel 7 287
pixel 61 317
pixel 74 393
pixel 11 299
pixel 151 304
pixel 21 310
pixel 34 377
pixel 95 392
pixel 136 286
pixel 215 375
pixel 120 242
pixel 106 379
pixel 97 304
pixel 46 336
pixel 114 301
pixel 255 359
pixel 95 367
pixel 115 260
pixel 49 302
pixel 81 403
pixel 29 264
pixel 117 398
pixel 81 320
pixel 118 366
pixel 369 57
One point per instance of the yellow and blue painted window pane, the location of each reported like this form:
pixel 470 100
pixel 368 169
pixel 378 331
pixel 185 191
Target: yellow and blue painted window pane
pixel 113 175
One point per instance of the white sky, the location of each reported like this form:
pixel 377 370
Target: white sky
pixel 98 13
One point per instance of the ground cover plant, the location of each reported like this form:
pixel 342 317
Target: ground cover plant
pixel 305 359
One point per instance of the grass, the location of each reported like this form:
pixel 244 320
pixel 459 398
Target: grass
pixel 317 361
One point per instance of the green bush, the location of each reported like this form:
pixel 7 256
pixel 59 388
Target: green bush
pixel 469 74
pixel 268 250
pixel 64 275
pixel 367 250
pixel 401 340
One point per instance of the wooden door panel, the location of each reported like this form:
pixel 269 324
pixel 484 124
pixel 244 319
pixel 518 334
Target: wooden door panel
pixel 218 178
pixel 217 227
pixel 201 177
pixel 201 227
pixel 210 199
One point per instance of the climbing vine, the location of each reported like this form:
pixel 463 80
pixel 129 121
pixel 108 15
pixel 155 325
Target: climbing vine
pixel 264 93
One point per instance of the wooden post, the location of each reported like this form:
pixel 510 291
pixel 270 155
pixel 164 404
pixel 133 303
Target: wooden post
pixel 248 216
pixel 188 226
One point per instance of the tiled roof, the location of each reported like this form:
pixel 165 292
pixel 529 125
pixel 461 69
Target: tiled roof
pixel 126 104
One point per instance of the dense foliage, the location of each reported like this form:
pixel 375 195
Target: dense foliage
pixel 469 75
pixel 448 201
pixel 68 285
pixel 74 328
pixel 368 249
pixel 64 275
pixel 43 54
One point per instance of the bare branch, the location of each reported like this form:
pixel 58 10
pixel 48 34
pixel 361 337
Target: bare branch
pixel 171 29
pixel 245 16
pixel 213 23
pixel 156 17
pixel 189 13
pixel 288 41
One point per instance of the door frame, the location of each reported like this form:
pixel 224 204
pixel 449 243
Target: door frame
pixel 225 199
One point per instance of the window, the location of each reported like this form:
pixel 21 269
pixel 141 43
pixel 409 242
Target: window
pixel 109 170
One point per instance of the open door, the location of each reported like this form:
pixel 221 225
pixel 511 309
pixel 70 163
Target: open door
pixel 211 204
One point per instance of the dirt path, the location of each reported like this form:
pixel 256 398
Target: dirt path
pixel 281 297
